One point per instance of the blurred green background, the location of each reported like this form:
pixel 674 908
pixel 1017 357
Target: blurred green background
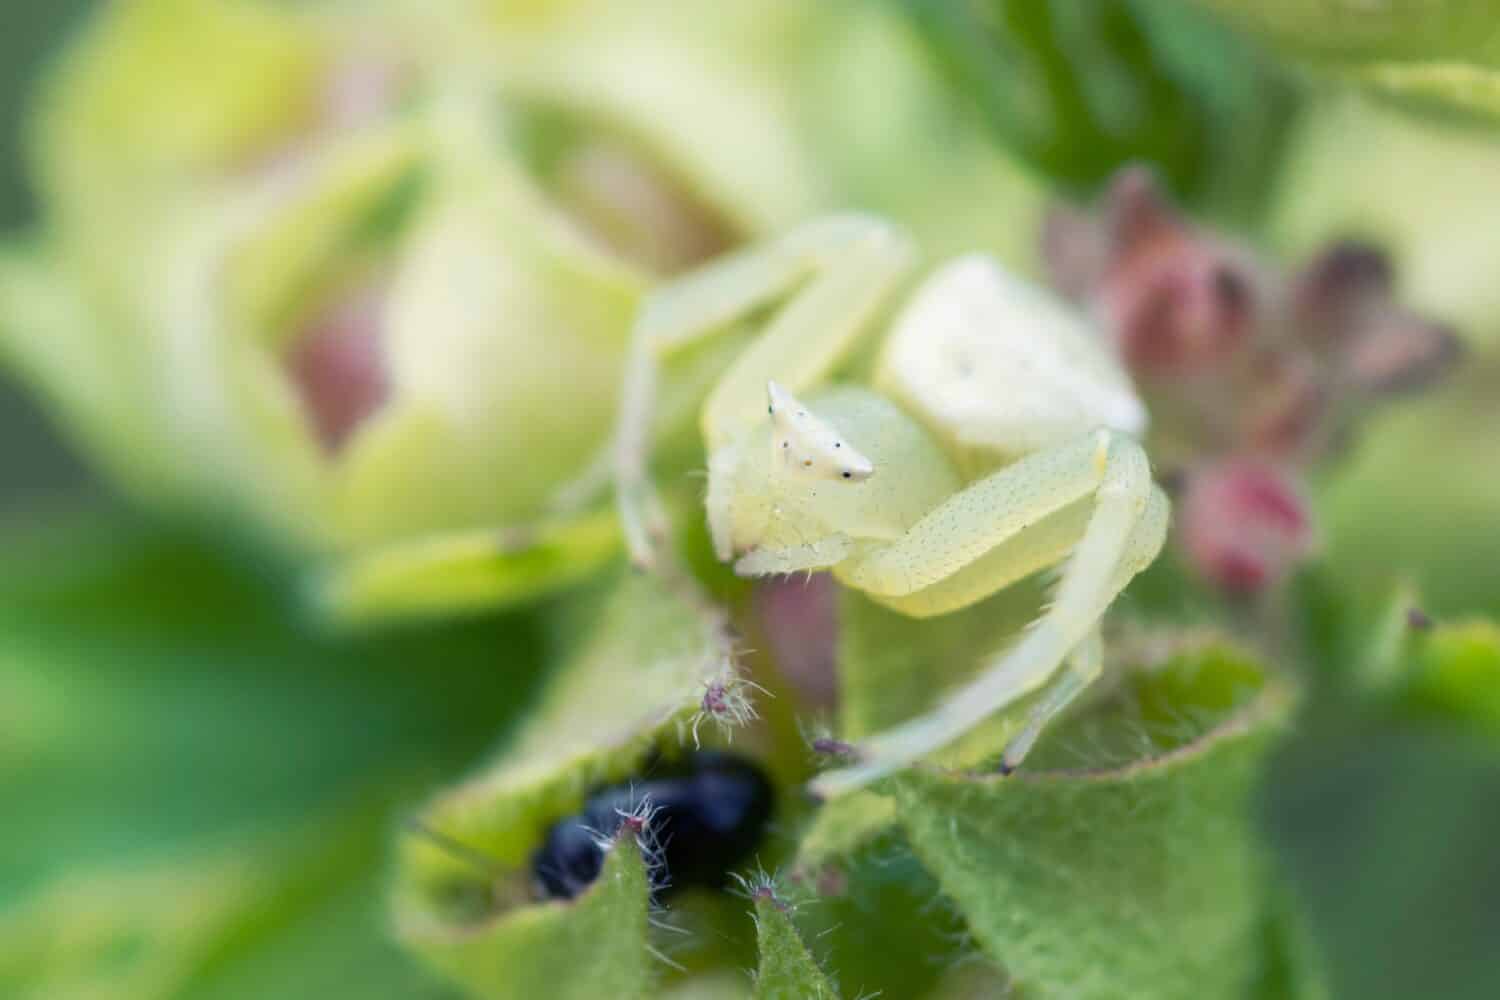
pixel 39 465
pixel 280 763
pixel 189 774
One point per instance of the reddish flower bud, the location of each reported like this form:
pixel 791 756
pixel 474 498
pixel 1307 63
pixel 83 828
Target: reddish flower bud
pixel 1177 313
pixel 1399 352
pixel 1136 211
pixel 1337 291
pixel 1285 410
pixel 338 368
pixel 1244 525
pixel 1343 306
pixel 1174 300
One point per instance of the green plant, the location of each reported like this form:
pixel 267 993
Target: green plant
pixel 340 298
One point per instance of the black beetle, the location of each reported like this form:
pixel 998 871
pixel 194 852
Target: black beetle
pixel 708 812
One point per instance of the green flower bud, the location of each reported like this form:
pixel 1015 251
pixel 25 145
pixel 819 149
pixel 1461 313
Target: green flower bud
pixel 401 338
pixel 153 100
pixel 363 283
pixel 345 327
pixel 770 111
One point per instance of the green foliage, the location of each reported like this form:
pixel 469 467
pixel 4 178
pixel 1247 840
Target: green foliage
pixel 1394 758
pixel 1384 519
pixel 1133 874
pixel 106 148
pixel 274 905
pixel 1122 853
pixel 881 924
pixel 1290 966
pixel 1456 676
pixel 591 947
pixel 201 792
pixel 1160 85
pixel 191 322
pixel 892 667
pixel 198 794
pixel 450 575
pixel 628 688
pixel 1375 819
pixel 1441 55
pixel 787 970
pixel 843 826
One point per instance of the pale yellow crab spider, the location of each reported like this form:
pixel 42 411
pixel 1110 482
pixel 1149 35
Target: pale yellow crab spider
pixel 997 437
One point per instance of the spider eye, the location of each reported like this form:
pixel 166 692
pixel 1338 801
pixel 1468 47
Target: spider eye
pixel 848 475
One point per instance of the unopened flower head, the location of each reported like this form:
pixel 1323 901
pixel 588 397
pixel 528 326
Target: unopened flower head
pixel 1253 373
pixel 349 279
pixel 1245 525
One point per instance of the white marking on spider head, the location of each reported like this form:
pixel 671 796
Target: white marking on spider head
pixel 806 445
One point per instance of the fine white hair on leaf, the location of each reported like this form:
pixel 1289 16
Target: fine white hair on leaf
pixel 761 884
pixel 664 960
pixel 727 702
pixel 638 822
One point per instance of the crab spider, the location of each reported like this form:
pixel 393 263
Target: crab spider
pixel 996 438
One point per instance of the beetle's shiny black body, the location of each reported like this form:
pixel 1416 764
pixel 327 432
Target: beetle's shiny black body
pixel 708 814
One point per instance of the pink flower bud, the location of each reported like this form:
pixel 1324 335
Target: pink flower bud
pixel 1343 306
pixel 337 366
pixel 1175 301
pixel 1244 525
pixel 1337 291
pixel 1399 352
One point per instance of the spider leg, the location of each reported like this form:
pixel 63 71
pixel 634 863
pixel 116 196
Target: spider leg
pixel 1124 534
pixel 845 265
pixel 983 516
pixel 1083 667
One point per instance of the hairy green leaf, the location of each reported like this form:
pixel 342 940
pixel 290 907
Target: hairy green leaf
pixel 892 667
pixel 787 970
pixel 843 827
pixel 1121 861
pixel 628 689
pixel 880 924
pixel 594 946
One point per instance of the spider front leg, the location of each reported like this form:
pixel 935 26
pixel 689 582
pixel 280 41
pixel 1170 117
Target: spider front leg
pixel 840 268
pixel 1124 534
pixel 1084 666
